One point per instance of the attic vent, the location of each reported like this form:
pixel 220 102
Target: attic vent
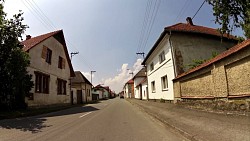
pixel 189 21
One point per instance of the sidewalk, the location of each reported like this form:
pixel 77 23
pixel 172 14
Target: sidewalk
pixel 198 125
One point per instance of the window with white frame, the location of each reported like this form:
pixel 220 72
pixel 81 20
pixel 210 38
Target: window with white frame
pixel 153 86
pixel 152 66
pixel 164 82
pixel 162 57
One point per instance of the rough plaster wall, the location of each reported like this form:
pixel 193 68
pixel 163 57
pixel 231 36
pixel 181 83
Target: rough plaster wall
pixel 238 76
pixel 37 63
pixel 188 47
pixel 220 81
pixel 198 87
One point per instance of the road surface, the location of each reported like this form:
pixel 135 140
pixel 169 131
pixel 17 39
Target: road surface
pixel 109 120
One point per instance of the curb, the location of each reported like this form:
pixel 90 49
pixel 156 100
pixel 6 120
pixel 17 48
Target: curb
pixel 157 117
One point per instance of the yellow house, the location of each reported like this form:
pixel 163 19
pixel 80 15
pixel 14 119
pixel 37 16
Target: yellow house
pixel 50 68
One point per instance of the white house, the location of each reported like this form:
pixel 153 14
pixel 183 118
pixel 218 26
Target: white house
pixel 176 48
pixel 81 88
pixel 50 68
pixel 129 89
pixel 138 78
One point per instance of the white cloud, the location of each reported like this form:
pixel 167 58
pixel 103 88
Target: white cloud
pixel 116 84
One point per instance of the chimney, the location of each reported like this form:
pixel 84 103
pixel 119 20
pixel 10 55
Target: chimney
pixel 189 21
pixel 28 37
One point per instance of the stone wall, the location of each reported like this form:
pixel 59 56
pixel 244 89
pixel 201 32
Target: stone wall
pixel 227 79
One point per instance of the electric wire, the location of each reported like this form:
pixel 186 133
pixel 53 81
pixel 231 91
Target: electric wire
pixel 198 9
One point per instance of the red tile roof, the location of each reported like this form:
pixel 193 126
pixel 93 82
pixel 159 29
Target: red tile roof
pixel 130 81
pixel 185 27
pixel 188 28
pixel 32 42
pixel 28 44
pixel 225 54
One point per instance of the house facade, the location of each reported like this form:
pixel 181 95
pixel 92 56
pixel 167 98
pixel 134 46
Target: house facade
pixel 82 88
pixel 138 78
pixel 104 91
pixel 50 68
pixel 175 50
pixel 129 89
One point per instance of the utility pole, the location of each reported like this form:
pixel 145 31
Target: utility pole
pixel 72 54
pixel 91 75
pixel 141 53
pixel 70 85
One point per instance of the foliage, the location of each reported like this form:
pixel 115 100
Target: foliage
pixel 232 13
pixel 15 81
pixel 197 62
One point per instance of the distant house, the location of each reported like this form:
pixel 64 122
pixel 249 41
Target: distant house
pixel 98 91
pixel 50 68
pixel 81 88
pixel 129 89
pixel 104 90
pixel 138 79
pixel 224 77
pixel 175 49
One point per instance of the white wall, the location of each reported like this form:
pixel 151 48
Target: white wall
pixel 160 70
pixel 144 90
pixel 137 81
pixel 37 63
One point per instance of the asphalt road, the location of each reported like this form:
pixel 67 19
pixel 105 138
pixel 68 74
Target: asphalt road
pixel 109 120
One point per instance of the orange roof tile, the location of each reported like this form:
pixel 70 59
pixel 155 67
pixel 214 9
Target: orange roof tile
pixel 185 27
pixel 28 44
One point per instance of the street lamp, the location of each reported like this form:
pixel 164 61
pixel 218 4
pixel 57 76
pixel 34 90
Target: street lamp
pixel 91 75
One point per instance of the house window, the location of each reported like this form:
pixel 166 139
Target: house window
pixel 152 66
pixel 61 63
pixel 153 86
pixel 41 83
pixel 47 54
pixel 164 82
pixel 162 57
pixel 61 87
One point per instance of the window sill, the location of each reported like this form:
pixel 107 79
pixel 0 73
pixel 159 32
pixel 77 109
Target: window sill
pixel 164 89
pixel 153 92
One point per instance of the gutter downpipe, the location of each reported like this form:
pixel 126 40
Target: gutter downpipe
pixel 171 48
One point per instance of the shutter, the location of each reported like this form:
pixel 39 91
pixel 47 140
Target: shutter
pixel 63 63
pixel 44 52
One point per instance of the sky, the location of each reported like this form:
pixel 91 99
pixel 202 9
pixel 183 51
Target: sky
pixel 108 33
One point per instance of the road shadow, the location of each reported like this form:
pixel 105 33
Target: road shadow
pixel 35 124
pixel 70 111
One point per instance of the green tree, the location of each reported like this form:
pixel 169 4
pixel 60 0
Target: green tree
pixel 232 13
pixel 15 82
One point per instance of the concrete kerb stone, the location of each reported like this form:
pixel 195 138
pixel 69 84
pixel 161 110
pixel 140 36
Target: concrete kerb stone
pixel 157 117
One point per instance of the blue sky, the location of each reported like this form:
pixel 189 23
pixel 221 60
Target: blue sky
pixel 107 33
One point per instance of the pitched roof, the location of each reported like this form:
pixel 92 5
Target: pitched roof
pixel 219 57
pixel 32 42
pixel 185 27
pixel 188 28
pixel 80 78
pixel 141 73
pixel 130 81
pixel 143 81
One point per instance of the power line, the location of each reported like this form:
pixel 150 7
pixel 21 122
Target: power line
pixel 47 23
pixel 199 8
